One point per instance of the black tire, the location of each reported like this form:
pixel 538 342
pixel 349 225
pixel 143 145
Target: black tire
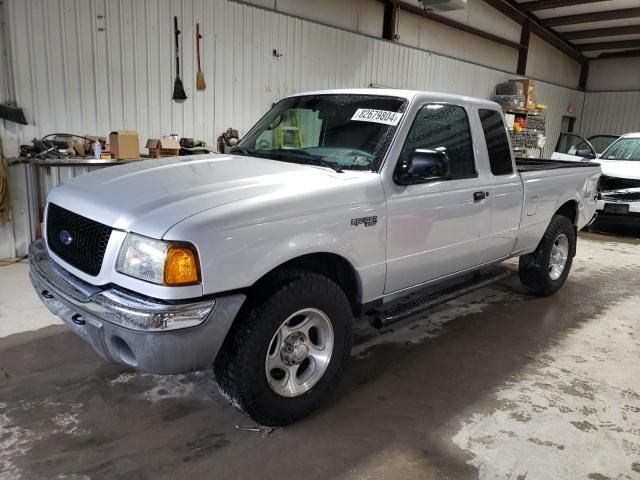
pixel 239 368
pixel 534 268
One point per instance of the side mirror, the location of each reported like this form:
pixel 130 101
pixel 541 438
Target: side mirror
pixel 423 166
pixel 586 153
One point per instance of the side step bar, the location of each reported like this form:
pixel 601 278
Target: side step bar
pixel 417 302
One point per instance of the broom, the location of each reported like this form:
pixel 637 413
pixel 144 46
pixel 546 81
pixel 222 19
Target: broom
pixel 200 83
pixel 178 88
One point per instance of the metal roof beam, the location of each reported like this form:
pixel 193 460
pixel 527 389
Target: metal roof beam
pixel 585 47
pixel 546 4
pixel 512 11
pixel 591 17
pixel 625 54
pixel 525 36
pixel 389 20
pixel 457 25
pixel 602 32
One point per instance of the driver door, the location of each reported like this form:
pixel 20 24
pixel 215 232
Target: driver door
pixel 436 228
pixel 573 148
pixel 601 142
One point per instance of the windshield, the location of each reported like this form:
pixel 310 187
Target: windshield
pixel 341 131
pixel 601 142
pixel 623 149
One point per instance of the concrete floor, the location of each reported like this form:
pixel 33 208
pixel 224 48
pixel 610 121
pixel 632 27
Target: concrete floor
pixel 495 385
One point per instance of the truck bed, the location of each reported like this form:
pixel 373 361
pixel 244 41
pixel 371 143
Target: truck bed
pixel 536 164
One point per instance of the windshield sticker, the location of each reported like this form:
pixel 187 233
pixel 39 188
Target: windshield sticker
pixel 377 116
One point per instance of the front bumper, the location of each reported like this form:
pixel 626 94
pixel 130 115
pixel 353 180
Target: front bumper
pixel 617 212
pixel 623 220
pixel 146 334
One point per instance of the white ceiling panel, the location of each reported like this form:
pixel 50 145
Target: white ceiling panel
pixel 606 39
pixel 587 8
pixel 595 53
pixel 588 26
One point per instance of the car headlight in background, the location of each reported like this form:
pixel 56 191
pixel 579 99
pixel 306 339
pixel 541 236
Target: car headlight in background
pixel 156 261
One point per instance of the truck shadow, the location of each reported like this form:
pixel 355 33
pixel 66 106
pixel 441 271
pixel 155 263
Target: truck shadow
pixel 616 231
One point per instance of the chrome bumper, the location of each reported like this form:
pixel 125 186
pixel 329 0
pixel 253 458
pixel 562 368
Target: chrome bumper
pixel 146 334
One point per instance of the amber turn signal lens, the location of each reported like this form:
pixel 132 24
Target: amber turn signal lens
pixel 181 266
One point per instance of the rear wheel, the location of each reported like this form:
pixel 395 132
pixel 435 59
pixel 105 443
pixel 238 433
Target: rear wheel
pixel 287 349
pixel 544 271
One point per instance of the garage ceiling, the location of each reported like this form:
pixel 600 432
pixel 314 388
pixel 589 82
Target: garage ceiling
pixel 596 28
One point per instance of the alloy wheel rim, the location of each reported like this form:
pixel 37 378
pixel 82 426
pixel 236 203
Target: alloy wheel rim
pixel 559 256
pixel 299 352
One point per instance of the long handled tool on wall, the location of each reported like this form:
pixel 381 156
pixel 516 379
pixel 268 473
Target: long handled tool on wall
pixel 178 88
pixel 200 83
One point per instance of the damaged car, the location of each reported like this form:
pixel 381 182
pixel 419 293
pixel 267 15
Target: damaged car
pixel 619 186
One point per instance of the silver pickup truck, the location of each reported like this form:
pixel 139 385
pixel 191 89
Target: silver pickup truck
pixel 336 204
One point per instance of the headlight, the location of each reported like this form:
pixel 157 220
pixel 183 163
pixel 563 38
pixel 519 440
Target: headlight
pixel 156 261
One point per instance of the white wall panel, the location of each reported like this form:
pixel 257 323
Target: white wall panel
pixel 614 113
pixel 614 74
pixel 558 99
pixel 6 231
pixel 74 77
pixel 482 16
pixel 549 63
pixel 77 72
pixel 425 34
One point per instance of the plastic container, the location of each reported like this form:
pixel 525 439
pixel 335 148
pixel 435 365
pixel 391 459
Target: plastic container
pixel 97 149
pixel 508 88
pixel 509 101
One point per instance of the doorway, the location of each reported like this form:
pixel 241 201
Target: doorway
pixel 567 124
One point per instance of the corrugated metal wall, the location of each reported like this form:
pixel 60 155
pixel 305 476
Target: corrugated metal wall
pixel 78 72
pixel 92 66
pixel 558 99
pixel 611 113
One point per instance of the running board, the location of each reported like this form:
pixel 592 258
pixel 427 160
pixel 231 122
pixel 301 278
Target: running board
pixel 418 302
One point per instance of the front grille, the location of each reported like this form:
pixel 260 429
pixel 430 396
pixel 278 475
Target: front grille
pixel 77 240
pixel 613 183
pixel 622 195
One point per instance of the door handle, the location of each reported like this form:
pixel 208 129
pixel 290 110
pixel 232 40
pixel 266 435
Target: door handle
pixel 477 196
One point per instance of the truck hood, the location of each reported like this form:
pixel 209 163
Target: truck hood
pixel 620 168
pixel 149 197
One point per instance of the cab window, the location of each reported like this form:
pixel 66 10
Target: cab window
pixel 443 128
pixel 497 142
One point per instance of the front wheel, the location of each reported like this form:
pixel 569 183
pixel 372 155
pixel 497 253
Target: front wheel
pixel 287 349
pixel 544 271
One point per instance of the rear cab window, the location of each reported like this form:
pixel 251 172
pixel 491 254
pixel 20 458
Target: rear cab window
pixel 495 136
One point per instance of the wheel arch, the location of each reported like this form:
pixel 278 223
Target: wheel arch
pixel 569 209
pixel 333 266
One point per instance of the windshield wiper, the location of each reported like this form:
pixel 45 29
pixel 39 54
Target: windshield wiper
pixel 305 156
pixel 241 150
pixel 289 154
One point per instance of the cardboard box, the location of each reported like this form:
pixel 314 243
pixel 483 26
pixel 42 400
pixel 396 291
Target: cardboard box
pixel 527 84
pixel 528 91
pixel 531 102
pixel 163 147
pixel 124 144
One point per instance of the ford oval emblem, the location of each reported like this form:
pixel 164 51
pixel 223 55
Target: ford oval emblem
pixel 65 237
